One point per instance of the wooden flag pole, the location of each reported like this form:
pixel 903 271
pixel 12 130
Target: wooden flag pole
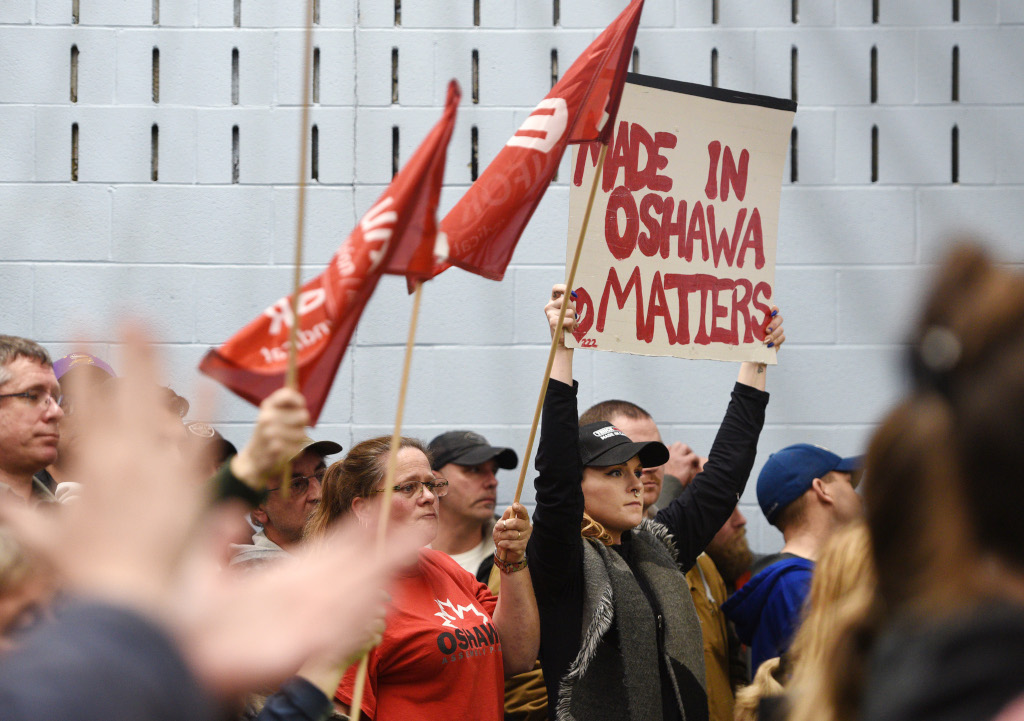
pixel 558 328
pixel 355 709
pixel 291 379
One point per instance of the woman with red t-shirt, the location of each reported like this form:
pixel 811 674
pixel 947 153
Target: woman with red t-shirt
pixel 449 643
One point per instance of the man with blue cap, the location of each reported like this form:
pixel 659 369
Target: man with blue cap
pixel 807 492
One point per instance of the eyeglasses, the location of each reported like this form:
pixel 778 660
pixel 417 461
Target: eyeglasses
pixel 39 399
pixel 300 484
pixel 412 489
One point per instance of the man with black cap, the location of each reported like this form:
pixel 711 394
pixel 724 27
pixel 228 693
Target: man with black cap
pixel 469 464
pixel 282 517
pixel 807 492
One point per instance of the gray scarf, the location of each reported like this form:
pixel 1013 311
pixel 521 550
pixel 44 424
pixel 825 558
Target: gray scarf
pixel 616 675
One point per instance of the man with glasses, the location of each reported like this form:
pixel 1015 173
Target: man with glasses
pixel 29 417
pixel 469 463
pixel 282 516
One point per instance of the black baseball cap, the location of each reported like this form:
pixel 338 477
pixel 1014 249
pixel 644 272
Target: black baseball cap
pixel 602 444
pixel 467 448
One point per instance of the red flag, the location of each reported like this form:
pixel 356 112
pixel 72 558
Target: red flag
pixel 484 226
pixel 396 235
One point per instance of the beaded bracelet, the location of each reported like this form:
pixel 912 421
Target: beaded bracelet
pixel 509 566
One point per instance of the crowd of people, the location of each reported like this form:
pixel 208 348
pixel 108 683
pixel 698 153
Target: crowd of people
pixel 149 569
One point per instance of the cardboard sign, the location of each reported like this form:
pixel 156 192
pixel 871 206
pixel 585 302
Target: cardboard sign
pixel 679 255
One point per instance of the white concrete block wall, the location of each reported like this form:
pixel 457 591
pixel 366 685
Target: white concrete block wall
pixel 204 247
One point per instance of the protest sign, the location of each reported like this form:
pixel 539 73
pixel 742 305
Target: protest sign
pixel 679 256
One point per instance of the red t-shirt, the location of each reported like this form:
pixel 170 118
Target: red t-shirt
pixel 440 657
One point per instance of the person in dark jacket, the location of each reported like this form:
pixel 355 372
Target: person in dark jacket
pixel 619 635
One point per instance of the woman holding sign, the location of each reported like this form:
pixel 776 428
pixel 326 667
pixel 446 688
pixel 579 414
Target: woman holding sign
pixel 621 638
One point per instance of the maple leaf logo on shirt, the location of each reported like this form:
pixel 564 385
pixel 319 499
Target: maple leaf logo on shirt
pixel 456 611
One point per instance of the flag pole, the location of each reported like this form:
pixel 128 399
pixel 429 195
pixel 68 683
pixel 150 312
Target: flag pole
pixel 355 709
pixel 291 379
pixel 556 338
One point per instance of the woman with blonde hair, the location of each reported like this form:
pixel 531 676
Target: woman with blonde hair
pixel 841 593
pixel 449 643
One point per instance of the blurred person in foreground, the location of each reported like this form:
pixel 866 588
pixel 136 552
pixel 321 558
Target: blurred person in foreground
pixel 150 628
pixel 943 639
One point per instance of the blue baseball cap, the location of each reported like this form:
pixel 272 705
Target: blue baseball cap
pixel 789 473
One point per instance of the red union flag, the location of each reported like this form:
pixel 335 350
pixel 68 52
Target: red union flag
pixel 484 226
pixel 397 235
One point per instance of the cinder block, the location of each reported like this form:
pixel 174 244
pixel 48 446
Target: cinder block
pixel 913 144
pixel 815 157
pixel 330 217
pixel 834 66
pixel 16 280
pixel 935 64
pixel 913 13
pixel 375 133
pixel 17 12
pixel 766 14
pixel 1010 11
pixel 178 13
pixel 598 14
pixel 529 53
pixel 268 144
pixel 217 13
pixel 700 388
pixel 471 385
pixel 53 142
pixel 845 384
pixel 457 308
pixel 337 67
pixel 982 12
pixel 534 15
pixel 986 214
pixel 226 299
pixel 878 305
pixel 56 222
pixel 271 14
pixel 807 299
pixel 35 65
pixel 846 226
pixel 114 13
pixel 17 128
pixel 373 52
pixel 196 67
pixel 544 240
pixel 438 14
pixel 94 297
pixel 375 15
pixel 983 66
pixel 691 14
pixel 686 55
pixel 155 224
pixel 336 159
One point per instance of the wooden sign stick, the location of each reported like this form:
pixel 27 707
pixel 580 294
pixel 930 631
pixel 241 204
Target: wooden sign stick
pixel 291 379
pixel 355 709
pixel 556 338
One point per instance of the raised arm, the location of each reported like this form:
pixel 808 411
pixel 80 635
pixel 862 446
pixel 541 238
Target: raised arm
pixel 706 503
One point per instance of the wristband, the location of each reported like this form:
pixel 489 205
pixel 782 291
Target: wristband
pixel 509 566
